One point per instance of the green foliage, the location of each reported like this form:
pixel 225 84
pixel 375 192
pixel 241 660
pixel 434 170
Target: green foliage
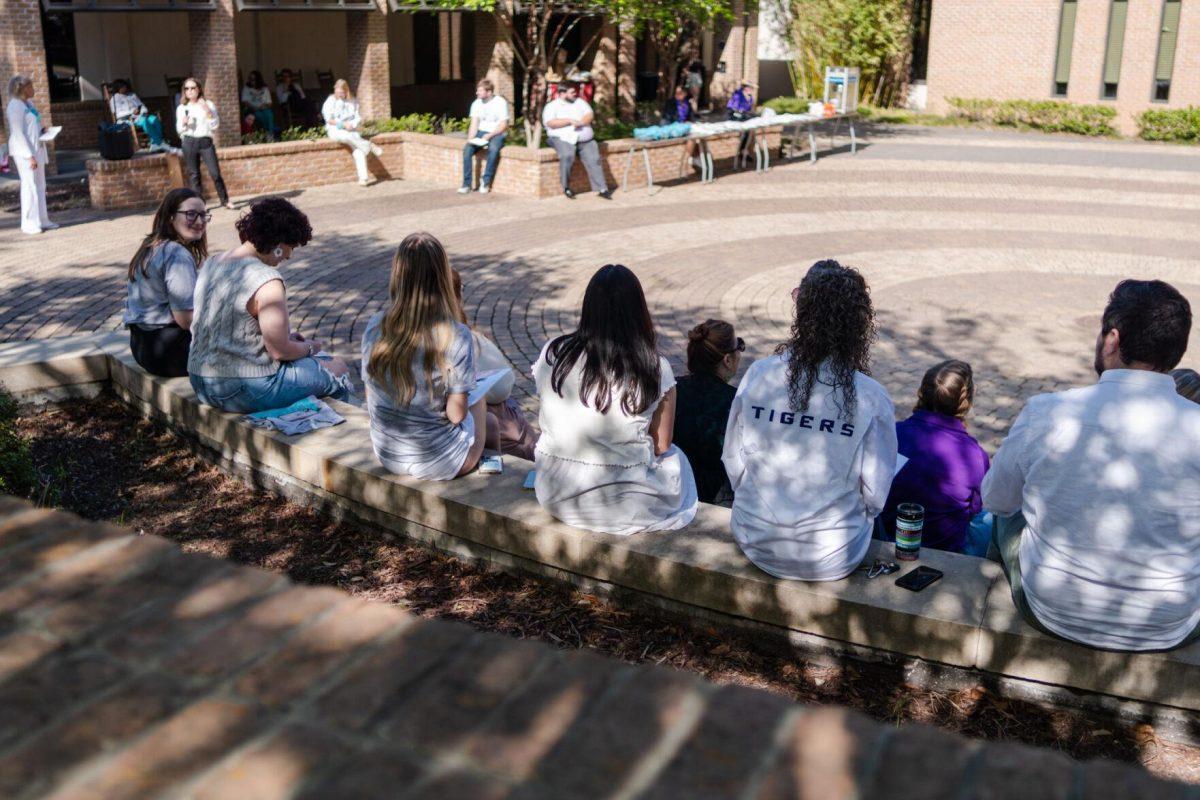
pixel 607 130
pixel 299 134
pixel 1170 125
pixel 1051 116
pixel 873 35
pixel 17 476
pixel 788 105
pixel 256 136
pixel 455 124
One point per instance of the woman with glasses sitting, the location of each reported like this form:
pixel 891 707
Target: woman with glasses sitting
pixel 160 284
pixel 702 404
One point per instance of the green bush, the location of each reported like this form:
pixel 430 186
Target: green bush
pixel 788 105
pixel 254 137
pixel 1170 125
pixel 455 124
pixel 1051 116
pixel 299 134
pixel 17 476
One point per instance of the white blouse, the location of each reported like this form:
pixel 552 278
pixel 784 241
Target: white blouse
pixel 343 113
pixel 197 119
pixel 256 98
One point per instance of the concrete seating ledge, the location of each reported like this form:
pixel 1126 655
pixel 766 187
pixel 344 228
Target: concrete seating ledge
pixel 965 621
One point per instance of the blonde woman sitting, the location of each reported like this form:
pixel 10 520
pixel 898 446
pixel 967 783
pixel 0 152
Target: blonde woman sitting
pixel 418 366
pixel 343 123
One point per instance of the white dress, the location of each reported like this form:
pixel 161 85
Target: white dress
pixel 598 471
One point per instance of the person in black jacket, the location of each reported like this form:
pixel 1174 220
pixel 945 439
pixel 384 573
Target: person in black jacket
pixel 679 108
pixel 704 400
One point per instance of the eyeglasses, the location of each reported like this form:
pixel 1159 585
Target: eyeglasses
pixel 191 88
pixel 195 216
pixel 740 347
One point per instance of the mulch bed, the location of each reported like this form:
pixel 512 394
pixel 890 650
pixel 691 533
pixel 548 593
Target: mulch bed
pixel 101 460
pixel 60 196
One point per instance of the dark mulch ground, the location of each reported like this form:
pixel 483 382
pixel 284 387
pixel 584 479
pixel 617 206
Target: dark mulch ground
pixel 60 196
pixel 99 459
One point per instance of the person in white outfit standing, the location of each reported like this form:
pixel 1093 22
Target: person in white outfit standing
pixel 195 121
pixel 28 152
pixel 343 123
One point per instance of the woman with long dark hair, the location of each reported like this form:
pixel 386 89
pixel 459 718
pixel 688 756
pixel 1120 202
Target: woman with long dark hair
pixel 714 353
pixel 605 460
pixel 418 364
pixel 160 283
pixel 245 356
pixel 811 443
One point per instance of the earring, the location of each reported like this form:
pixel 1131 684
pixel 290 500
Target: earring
pixel 277 252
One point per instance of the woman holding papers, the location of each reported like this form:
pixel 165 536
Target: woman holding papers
pixel 811 443
pixel 28 150
pixel 418 366
pixel 605 459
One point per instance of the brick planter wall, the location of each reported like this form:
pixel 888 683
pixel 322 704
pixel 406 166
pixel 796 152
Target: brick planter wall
pixel 435 160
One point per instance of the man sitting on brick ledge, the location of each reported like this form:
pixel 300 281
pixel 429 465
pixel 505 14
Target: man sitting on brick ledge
pixel 1101 486
pixel 568 120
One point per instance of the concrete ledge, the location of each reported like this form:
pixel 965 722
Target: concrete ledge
pixel 966 621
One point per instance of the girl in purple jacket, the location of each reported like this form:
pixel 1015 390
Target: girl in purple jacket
pixel 945 466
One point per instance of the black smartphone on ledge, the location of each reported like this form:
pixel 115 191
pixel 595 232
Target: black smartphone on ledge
pixel 919 578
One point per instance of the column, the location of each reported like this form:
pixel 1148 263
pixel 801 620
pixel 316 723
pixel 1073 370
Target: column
pixel 627 74
pixel 750 48
pixel 368 70
pixel 23 51
pixel 733 55
pixel 494 57
pixel 214 64
pixel 604 71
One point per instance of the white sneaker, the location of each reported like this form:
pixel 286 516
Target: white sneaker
pixel 50 226
pixel 484 188
pixel 364 181
pixel 464 190
pixel 31 233
pixel 377 150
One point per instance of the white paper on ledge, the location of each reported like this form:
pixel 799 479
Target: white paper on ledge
pixel 50 134
pixel 484 381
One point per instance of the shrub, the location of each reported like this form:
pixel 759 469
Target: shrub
pixel 455 124
pixel 1051 116
pixel 257 136
pixel 788 105
pixel 1170 125
pixel 299 134
pixel 17 476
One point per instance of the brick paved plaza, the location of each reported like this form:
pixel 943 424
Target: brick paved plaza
pixel 999 249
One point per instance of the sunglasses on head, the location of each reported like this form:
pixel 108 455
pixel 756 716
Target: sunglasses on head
pixel 740 347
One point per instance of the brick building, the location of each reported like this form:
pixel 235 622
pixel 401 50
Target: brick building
pixel 1130 54
pixel 398 57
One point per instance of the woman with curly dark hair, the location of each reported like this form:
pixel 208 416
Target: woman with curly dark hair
pixel 244 355
pixel 811 443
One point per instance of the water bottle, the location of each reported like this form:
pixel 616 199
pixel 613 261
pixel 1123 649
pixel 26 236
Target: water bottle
pixel 910 522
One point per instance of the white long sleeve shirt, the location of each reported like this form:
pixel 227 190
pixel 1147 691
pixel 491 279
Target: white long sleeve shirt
pixel 1108 480
pixel 24 130
pixel 197 119
pixel 807 486
pixel 125 106
pixel 343 113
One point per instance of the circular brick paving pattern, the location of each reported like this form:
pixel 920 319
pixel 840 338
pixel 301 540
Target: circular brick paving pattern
pixel 1000 251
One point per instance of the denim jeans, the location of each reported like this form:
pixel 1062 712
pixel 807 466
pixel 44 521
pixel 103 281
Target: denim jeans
pixel 493 158
pixel 294 381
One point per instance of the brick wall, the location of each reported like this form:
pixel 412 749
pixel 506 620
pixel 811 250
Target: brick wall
pixel 494 57
pixel 435 160
pixel 1007 51
pixel 22 51
pixel 369 72
pixel 214 64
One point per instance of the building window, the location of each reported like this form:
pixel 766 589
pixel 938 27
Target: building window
pixel 1066 38
pixel 1114 48
pixel 920 44
pixel 62 61
pixel 1166 50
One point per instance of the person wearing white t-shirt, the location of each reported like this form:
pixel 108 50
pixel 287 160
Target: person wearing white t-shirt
pixel 810 448
pixel 568 121
pixel 605 460
pixel 489 126
pixel 1097 489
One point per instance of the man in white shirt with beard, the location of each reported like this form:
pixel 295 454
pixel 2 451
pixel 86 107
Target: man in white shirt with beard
pixel 1098 489
pixel 568 121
